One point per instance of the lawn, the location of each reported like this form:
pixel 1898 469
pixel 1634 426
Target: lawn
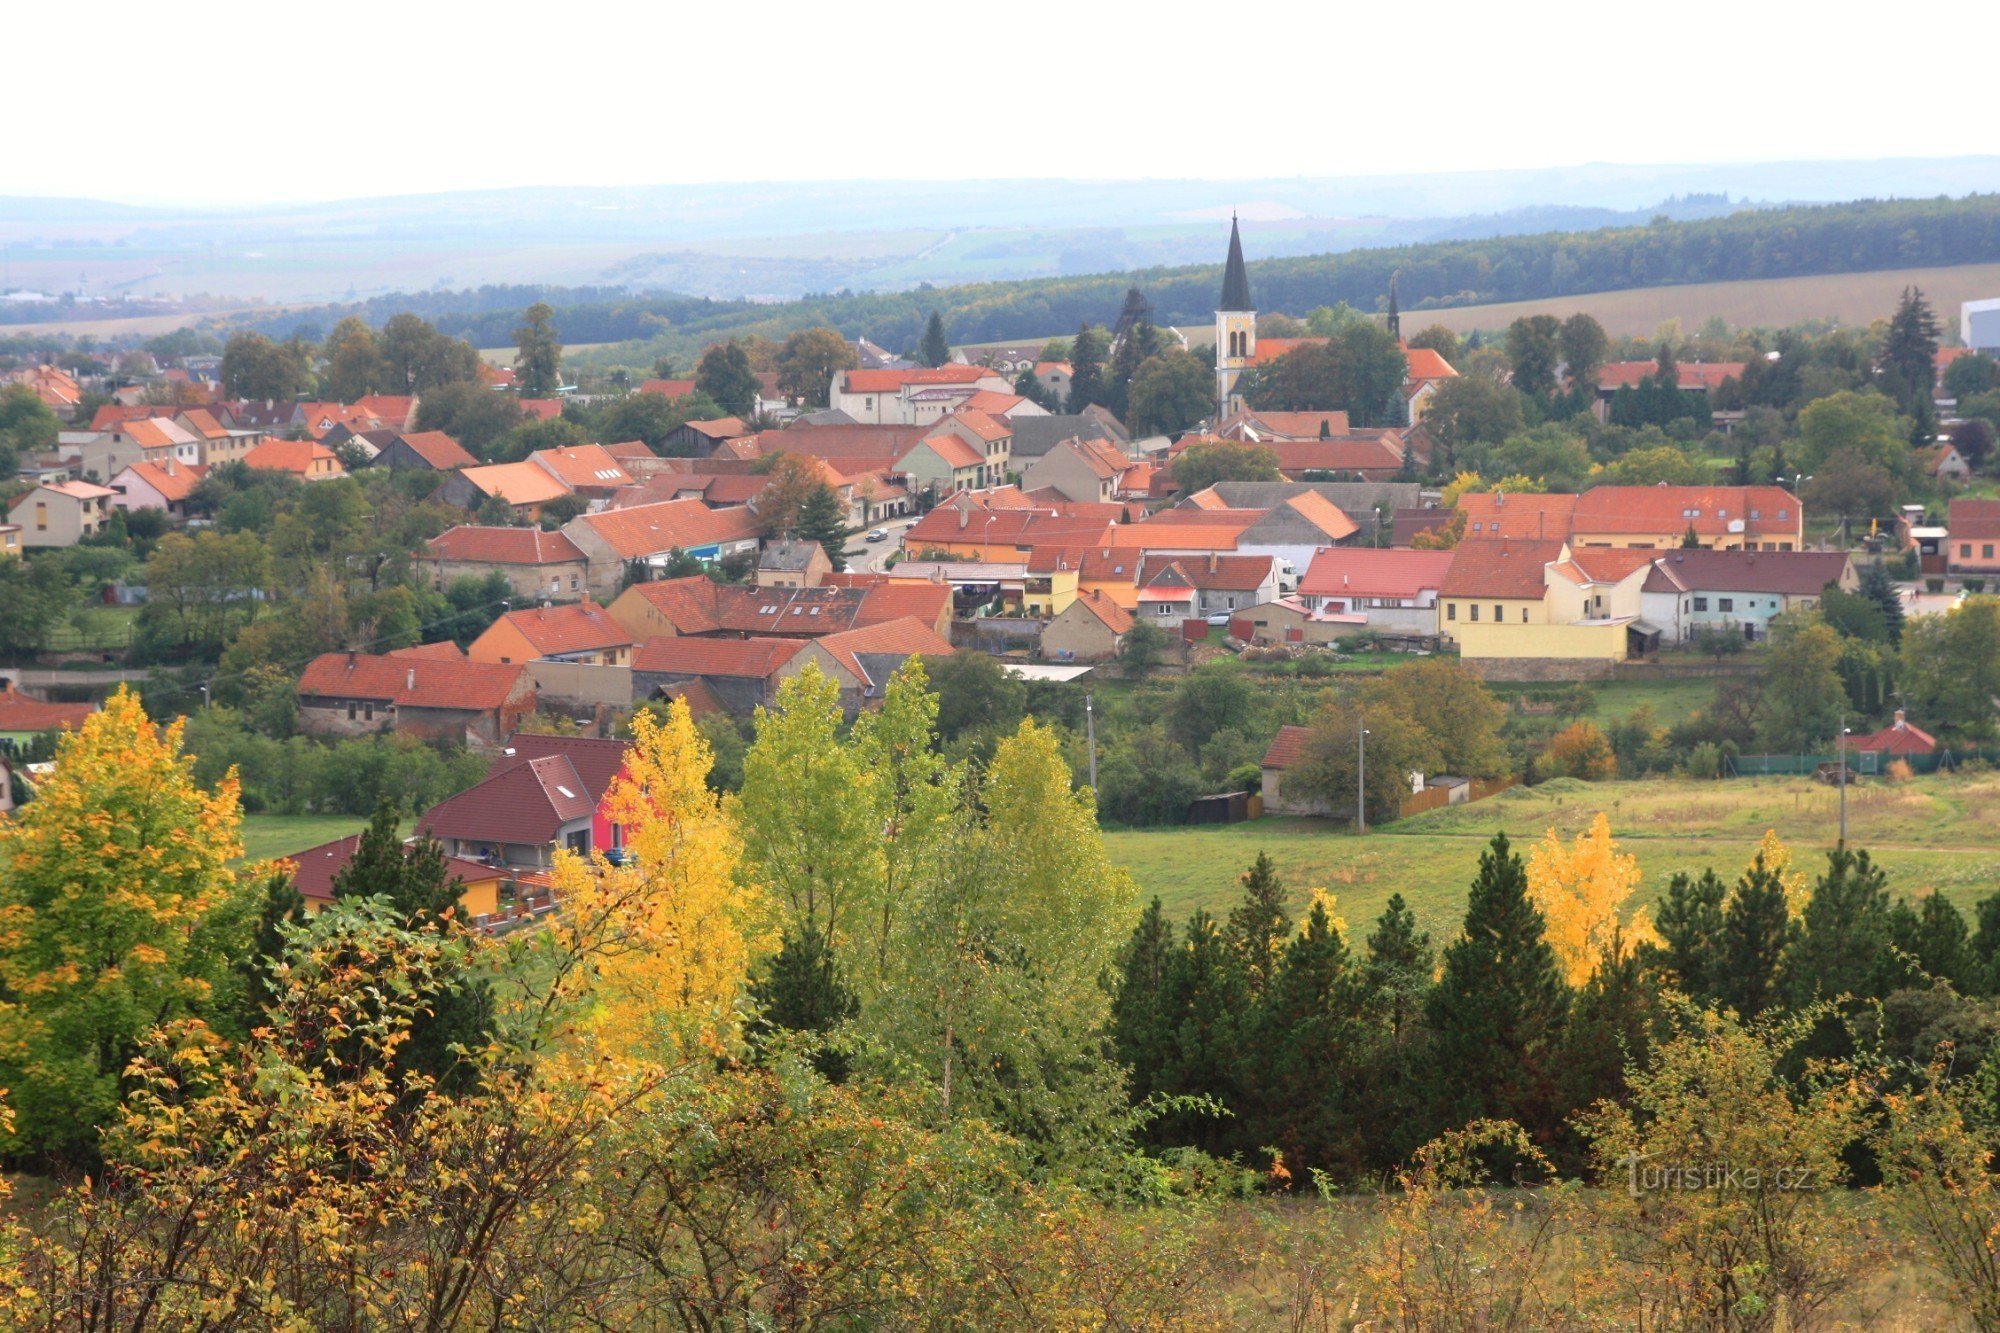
pixel 1615 700
pixel 266 836
pixel 1931 833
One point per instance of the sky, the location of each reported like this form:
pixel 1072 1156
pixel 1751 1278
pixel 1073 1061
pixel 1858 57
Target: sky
pixel 364 98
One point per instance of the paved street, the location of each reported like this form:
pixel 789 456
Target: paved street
pixel 865 557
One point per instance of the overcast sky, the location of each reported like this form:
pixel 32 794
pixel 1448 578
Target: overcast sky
pixel 273 102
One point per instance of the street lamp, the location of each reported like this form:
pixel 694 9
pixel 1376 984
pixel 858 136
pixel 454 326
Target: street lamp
pixel 204 696
pixel 1361 779
pixel 1845 731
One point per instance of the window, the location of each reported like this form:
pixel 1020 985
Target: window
pixel 1475 610
pixel 1499 613
pixel 42 519
pixel 350 710
pixel 1725 603
pixel 1701 603
pixel 1524 615
pixel 1986 551
pixel 1451 610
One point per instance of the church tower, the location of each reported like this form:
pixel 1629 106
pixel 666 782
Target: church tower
pixel 1235 328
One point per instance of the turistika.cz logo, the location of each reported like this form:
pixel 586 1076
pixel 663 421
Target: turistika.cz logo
pixel 1644 1176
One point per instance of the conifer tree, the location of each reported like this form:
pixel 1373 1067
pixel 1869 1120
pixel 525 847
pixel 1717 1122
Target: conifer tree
pixel 1126 358
pixel 283 905
pixel 1842 944
pixel 1935 936
pixel 1304 1059
pixel 802 989
pixel 1496 1014
pixel 1611 1026
pixel 821 521
pixel 1878 587
pixel 1259 925
pixel 1086 368
pixel 1399 964
pixel 1204 1004
pixel 1755 929
pixel 1141 1030
pixel 1690 922
pixel 1909 352
pixel 934 349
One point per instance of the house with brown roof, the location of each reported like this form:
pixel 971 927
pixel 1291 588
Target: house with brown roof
pixel 164 485
pixel 584 469
pixel 57 388
pixel 699 439
pixel 523 487
pixel 565 632
pixel 518 817
pixel 61 513
pixel 315 869
pixel 964 529
pixel 1898 740
pixel 667 388
pixel 1972 543
pixel 24 717
pixel 598 760
pixel 649 536
pixel 1695 377
pixel 1088 470
pixel 1424 369
pixel 944 463
pixel 889 397
pixel 308 460
pixel 429 450
pixel 1090 629
pixel 1755 518
pixel 743 674
pixel 1738 592
pixel 1286 752
pixel 1545 610
pixel 422 691
pixel 1176 588
pixel 538 565
pixel 1394 591
pixel 152 439
pixel 871 654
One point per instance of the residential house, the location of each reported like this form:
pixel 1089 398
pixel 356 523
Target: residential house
pixel 792 564
pixel 1972 538
pixel 1363 502
pixel 598 761
pixel 1526 609
pixel 963 529
pixel 1050 584
pixel 1036 435
pixel 61 513
pixel 1695 377
pixel 57 389
pixel 518 817
pixel 888 397
pixel 432 450
pixel 523 487
pixel 1196 587
pixel 316 868
pixel 668 388
pixel 1898 740
pixel 567 632
pixel 699 439
pixel 24 717
pixel 214 442
pixel 1424 370
pixel 1942 462
pixel 1740 592
pixel 991 436
pixel 150 439
pixel 1287 752
pixel 268 416
pixel 1756 518
pixel 10 540
pixel 872 654
pixel 1394 591
pixel 1289 620
pixel 699 606
pixel 649 536
pixel 1090 629
pixel 307 460
pixel 164 485
pixel 1092 471
pixel 431 691
pixel 540 409
pixel 743 674
pixel 538 565
pixel 588 470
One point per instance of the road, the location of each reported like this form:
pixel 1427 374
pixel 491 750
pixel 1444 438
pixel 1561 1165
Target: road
pixel 866 557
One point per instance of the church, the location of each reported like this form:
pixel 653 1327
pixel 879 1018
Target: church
pixel 1237 351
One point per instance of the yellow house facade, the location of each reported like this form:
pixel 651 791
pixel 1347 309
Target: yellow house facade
pixel 1509 600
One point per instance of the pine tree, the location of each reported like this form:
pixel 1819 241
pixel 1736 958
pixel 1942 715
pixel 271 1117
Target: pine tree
pixel 1986 945
pixel 1126 358
pixel 820 520
pixel 282 906
pixel 1745 472
pixel 1086 367
pixel 1690 922
pixel 934 349
pixel 1496 1014
pixel 1936 937
pixel 1259 925
pixel 1204 1003
pixel 802 989
pixel 1755 929
pixel 1878 587
pixel 1611 1027
pixel 1842 944
pixel 1909 352
pixel 1304 1061
pixel 1141 1030
pixel 1399 965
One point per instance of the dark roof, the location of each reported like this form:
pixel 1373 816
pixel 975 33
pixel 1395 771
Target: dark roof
pixel 597 760
pixel 1793 573
pixel 528 803
pixel 684 655
pixel 1235 278
pixel 316 867
pixel 1035 436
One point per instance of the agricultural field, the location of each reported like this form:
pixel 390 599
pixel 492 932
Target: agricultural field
pixel 1931 833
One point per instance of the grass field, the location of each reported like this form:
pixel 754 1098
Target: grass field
pixel 1932 833
pixel 266 836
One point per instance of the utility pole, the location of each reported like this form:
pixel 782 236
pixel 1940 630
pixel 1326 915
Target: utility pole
pixel 1361 777
pixel 1090 731
pixel 1843 780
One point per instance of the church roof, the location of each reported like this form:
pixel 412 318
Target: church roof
pixel 1235 279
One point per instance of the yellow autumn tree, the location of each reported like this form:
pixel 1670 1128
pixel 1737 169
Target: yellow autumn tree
pixel 661 945
pixel 116 901
pixel 1580 889
pixel 1778 862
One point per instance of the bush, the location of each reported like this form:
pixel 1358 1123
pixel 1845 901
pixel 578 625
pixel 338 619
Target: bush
pixel 1933 584
pixel 1579 750
pixel 1973 585
pixel 1704 761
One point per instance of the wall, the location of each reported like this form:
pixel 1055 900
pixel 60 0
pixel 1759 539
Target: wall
pixel 1540 668
pixel 580 685
pixel 1486 640
pixel 997 634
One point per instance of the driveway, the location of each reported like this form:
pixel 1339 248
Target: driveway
pixel 866 557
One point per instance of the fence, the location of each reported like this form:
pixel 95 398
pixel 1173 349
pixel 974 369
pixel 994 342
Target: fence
pixel 1866 763
pixel 1437 798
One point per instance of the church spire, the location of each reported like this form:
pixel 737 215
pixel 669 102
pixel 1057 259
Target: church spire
pixel 1235 280
pixel 1395 318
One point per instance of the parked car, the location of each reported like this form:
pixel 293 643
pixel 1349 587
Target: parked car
pixel 878 534
pixel 1219 619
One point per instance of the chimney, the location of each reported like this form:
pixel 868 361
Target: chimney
pixel 1214 562
pixel 1902 723
pixel 410 681
pixel 964 518
pixel 350 659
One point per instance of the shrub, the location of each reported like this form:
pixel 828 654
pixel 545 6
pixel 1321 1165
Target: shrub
pixel 1974 585
pixel 1579 750
pixel 1933 584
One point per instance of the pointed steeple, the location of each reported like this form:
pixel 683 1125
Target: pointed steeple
pixel 1235 279
pixel 1395 317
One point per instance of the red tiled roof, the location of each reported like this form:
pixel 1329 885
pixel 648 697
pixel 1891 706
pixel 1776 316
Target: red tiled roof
pixel 954 452
pixel 1364 571
pixel 688 603
pixel 1693 374
pixel 541 409
pixel 1899 737
pixel 902 637
pixel 1607 565
pixel 655 529
pixel 1322 513
pixel 979 423
pixel 111 414
pixel 701 700
pixel 1355 453
pixel 668 388
pixel 79 490
pixel 200 422
pixel 1426 364
pixel 992 402
pixel 1011 527
pixel 1500 569
pixel 391 409
pixel 1270 349
pixel 683 655
pixel 1711 510
pixel 439 450
pixel 884 602
pixel 174 481
pixel 411 681
pixel 597 760
pixel 527 803
pixel 520 484
pixel 1287 747
pixel 1272 426
pixel 892 381
pixel 315 868
pixel 721 428
pixel 19 713
pixel 504 546
pixel 1115 617
pixel 154 432
pixel 1218 573
pixel 573 627
pixel 299 456
pixel 1491 514
pixel 581 465
pixel 1973 518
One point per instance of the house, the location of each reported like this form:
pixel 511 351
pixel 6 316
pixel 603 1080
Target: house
pixel 1286 752
pixel 649 536
pixel 991 436
pixel 1036 435
pixel 1942 462
pixel 517 817
pixel 888 397
pixel 1424 369
pixel 432 691
pixel 697 605
pixel 570 632
pixel 307 460
pixel 698 439
pixel 523 487
pixel 537 565
pixel 598 761
pixel 10 540
pixel 1363 502
pixel 1090 629
pixel 1092 471
pixel 1694 377
pixel 165 485
pixel 1973 535
pixel 1757 518
pixel 24 717
pixel 1737 591
pixel 539 409
pixel 871 654
pixel 668 388
pixel 588 470
pixel 1054 573
pixel 964 529
pixel 61 513
pixel 110 451
pixel 792 564
pixel 1196 587
pixel 431 449
pixel 315 869
pixel 57 389
pixel 1545 610
pixel 214 442
pixel 1289 620
pixel 1394 591
pixel 1898 740
pixel 743 674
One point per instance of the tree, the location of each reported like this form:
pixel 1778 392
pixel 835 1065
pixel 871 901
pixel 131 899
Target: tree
pixel 470 413
pixel 104 945
pixel 1756 927
pixel 1086 367
pixel 1533 347
pixel 538 354
pixel 1659 465
pixel 1879 588
pixel 1950 669
pixel 34 599
pixel 1579 750
pixel 1215 698
pixel 651 417
pixel 1469 415
pixel 809 361
pixel 1973 439
pixel 1328 769
pixel 1169 394
pixel 1359 370
pixel 1201 465
pixel 1851 487
pixel 1145 643
pixel 933 349
pixel 1969 376
pixel 1399 964
pixel 1450 705
pixel 418 359
pixel 1259 926
pixel 1142 1028
pixel 353 361
pixel 1585 346
pixel 1439 339
pixel 1909 353
pixel 1842 945
pixel 822 520
pixel 1690 924
pixel 724 375
pixel 1581 889
pixel 1803 694
pixel 255 367
pixel 1862 424
pixel 283 908
pixel 1496 1013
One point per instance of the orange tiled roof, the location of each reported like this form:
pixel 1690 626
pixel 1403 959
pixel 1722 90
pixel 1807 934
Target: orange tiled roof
pixel 649 530
pixel 411 680
pixel 518 484
pixel 1500 569
pixel 576 627
pixel 504 546
pixel 301 457
pixel 581 465
pixel 439 450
